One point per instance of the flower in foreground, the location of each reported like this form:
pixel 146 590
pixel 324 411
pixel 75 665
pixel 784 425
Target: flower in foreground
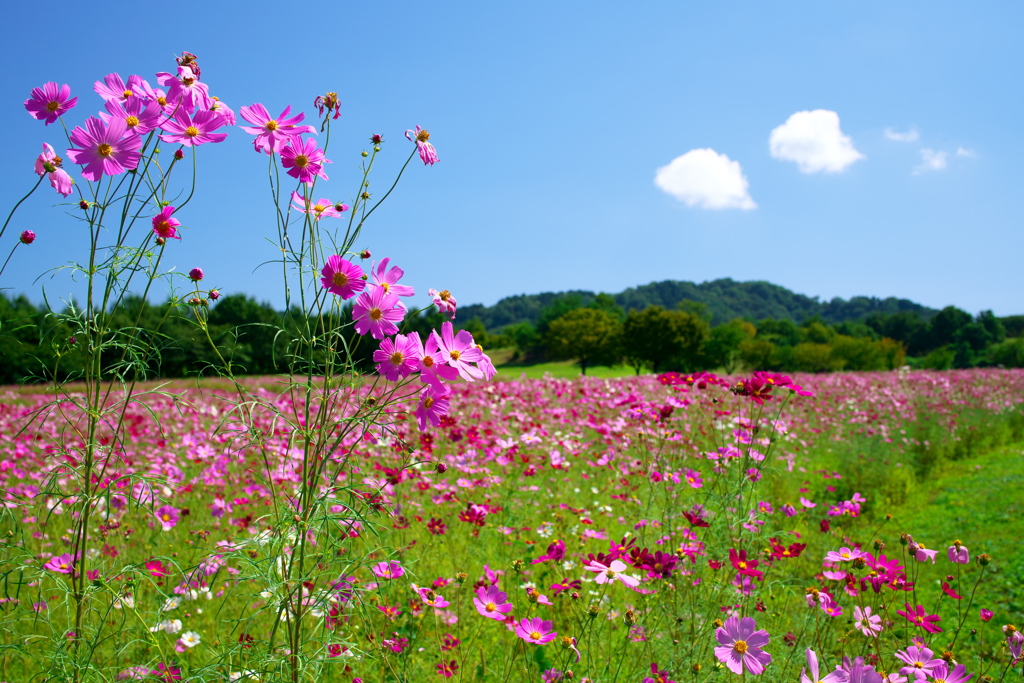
pixel 428 155
pixel 459 351
pixel 444 301
pixel 342 277
pixel 918 661
pixel 272 133
pixel 48 162
pixel 434 405
pixel 957 553
pixel 192 131
pixel 612 571
pixel 942 674
pixel 304 160
pixel 387 278
pixel 62 564
pixel 739 645
pixel 388 570
pixel 867 623
pixel 837 676
pixel 50 102
pixel 918 616
pixel 536 631
pixel 165 226
pixel 376 313
pixel 104 149
pixel 397 358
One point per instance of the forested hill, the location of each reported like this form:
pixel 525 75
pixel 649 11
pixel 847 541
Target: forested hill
pixel 725 300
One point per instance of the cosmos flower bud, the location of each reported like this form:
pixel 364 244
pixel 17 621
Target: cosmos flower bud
pixel 630 617
pixel 365 254
pixel 179 154
pixel 984 559
pixel 214 294
pixel 878 544
pixel 83 205
pixel 196 274
pixel 441 468
pixel 696 667
pixel 593 611
pixel 517 565
pixel 28 237
pixel 461 576
pixel 376 139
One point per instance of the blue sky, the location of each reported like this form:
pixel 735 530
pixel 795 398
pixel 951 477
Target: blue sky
pixel 836 149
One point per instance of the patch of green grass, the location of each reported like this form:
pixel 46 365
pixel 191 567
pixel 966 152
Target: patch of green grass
pixel 979 501
pixel 562 369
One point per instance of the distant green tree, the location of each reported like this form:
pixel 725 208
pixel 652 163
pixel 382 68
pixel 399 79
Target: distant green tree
pixel 778 332
pixel 723 346
pixel 758 353
pixel 606 302
pixel 586 335
pixel 1008 353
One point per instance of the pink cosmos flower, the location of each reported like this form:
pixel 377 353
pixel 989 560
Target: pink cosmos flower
pixel 50 102
pixel 459 351
pixel 104 149
pixel 830 607
pixel 113 88
pixel 397 358
pixel 428 155
pixel 432 367
pixel 165 226
pixel 140 116
pixel 433 599
pixel 867 623
pixel 612 571
pixel 303 159
pixel 536 631
pixel 192 131
pixel 168 516
pixel 376 313
pixel 62 564
pixel 985 614
pixel 942 674
pixel 918 660
pixel 444 301
pixel 157 568
pixel 323 208
pixel 693 478
pixel 918 616
pixel 844 554
pixel 388 570
pixel 492 603
pixel 919 552
pixel 837 676
pixel 272 134
pixel 388 279
pixel 739 645
pixel 555 553
pixel 433 406
pixel 343 278
pixel 186 90
pixel 224 110
pixel 957 553
pixel 48 162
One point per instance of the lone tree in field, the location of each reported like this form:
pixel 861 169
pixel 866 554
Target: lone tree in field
pixel 586 335
pixel 658 339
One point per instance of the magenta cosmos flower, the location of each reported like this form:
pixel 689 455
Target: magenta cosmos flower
pixel 113 88
pixel 193 131
pixel 739 646
pixel 458 351
pixel 304 160
pixel 428 155
pixel 140 116
pixel 387 278
pixel 434 404
pixel 918 662
pixel 48 162
pixel 397 358
pixel 432 367
pixel 272 133
pixel 536 631
pixel 388 570
pixel 104 149
pixel 62 564
pixel 919 617
pixel 168 516
pixel 942 674
pixel 50 102
pixel 837 676
pixel 165 226
pixel 186 90
pixel 492 603
pixel 343 278
pixel 376 313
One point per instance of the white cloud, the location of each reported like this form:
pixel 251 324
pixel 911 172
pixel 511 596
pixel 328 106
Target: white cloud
pixel 910 136
pixel 932 161
pixel 706 179
pixel 814 141
pixel 961 152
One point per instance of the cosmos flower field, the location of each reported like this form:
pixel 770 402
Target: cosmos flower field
pixel 640 529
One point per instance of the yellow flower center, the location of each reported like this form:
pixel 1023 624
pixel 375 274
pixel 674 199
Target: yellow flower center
pixel 534 635
pixel 427 402
pixel 455 354
pixel 376 314
pixel 339 280
pixel 490 607
pixel 740 646
pixel 271 125
pixel 319 208
pixel 132 121
pixel 423 136
pixel 104 150
pixel 52 105
pixel 397 357
pixel 741 565
pixel 301 161
pixel 166 517
pixel 428 361
pixel 385 286
pixel 444 295
pixel 127 94
pixel 162 101
pixel 191 131
pixel 845 556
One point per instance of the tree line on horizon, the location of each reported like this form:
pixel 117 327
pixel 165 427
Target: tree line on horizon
pixel 38 344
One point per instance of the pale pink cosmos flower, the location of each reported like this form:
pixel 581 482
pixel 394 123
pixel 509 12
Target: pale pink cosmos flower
pixel 165 226
pixel 195 130
pixel 492 603
pixel 323 208
pixel 844 554
pixel 867 623
pixel 376 313
pixel 942 674
pixel 458 351
pixel 397 358
pixel 739 645
pixel 428 155
pixel 957 553
pixel 444 301
pixel 433 599
pixel 536 631
pixel 388 570
pixel 62 564
pixel 342 277
pixel 50 102
pixel 272 133
pixel 104 149
pixel 433 406
pixel 918 661
pixel 48 162
pixel 485 365
pixel 140 116
pixel 388 279
pixel 113 88
pixel 613 571
pixel 224 110
pixel 837 676
pixel 304 160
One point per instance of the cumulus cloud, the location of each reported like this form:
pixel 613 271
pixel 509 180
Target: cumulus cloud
pixel 932 161
pixel 814 141
pixel 706 179
pixel 961 152
pixel 910 136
